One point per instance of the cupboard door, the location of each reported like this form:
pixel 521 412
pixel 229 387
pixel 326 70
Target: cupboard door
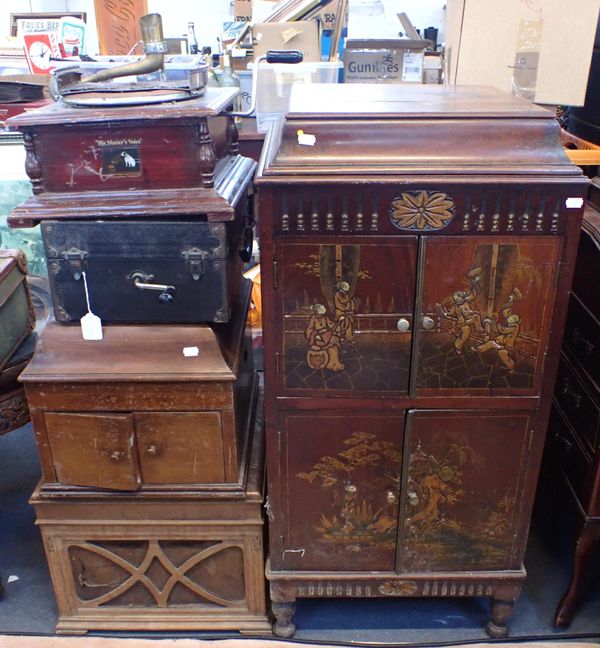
pixel 485 310
pixel 339 488
pixel 180 447
pixel 93 450
pixel 462 490
pixel 346 315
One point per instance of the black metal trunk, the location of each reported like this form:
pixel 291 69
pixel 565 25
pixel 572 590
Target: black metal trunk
pixel 144 271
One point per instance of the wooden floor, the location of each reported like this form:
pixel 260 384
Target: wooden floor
pixel 7 641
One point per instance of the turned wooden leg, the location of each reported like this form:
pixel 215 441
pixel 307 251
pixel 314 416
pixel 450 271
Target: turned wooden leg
pixel 500 611
pixel 283 613
pixel 583 552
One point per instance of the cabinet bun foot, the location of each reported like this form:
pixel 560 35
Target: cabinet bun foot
pixel 283 613
pixel 495 631
pixel 286 631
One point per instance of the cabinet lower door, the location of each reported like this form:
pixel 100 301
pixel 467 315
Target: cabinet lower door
pixel 463 493
pixel 96 450
pixel 180 447
pixel 339 477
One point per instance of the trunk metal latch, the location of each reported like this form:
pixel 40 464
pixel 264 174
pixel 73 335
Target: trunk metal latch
pixel 194 261
pixel 76 260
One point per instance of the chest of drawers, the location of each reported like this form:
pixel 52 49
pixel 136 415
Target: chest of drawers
pixel 574 430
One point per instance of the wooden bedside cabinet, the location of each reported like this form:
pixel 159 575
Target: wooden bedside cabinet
pixel 417 251
pixel 132 411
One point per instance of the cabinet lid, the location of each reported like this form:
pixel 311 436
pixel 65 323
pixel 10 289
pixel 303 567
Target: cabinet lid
pixel 212 103
pixel 126 354
pixel 367 129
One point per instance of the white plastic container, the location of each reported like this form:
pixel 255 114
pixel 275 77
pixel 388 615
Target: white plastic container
pixel 275 82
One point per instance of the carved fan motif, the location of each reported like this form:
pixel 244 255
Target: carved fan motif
pixel 422 210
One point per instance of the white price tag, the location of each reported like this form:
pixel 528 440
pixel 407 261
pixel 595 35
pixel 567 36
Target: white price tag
pixel 412 67
pixel 91 325
pixel 574 203
pixel 191 352
pixel 306 140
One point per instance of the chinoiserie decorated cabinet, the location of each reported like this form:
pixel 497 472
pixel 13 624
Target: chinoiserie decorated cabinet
pixel 418 248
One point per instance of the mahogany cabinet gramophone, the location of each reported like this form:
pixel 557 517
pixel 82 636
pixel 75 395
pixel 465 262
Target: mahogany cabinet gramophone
pixel 418 248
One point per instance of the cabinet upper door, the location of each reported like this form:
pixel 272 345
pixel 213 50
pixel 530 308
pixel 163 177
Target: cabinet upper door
pixel 345 315
pixel 463 491
pixel 484 314
pixel 337 492
pixel 96 450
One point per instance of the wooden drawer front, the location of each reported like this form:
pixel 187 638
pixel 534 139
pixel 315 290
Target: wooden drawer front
pixel 577 405
pixel 180 447
pixel 582 336
pixel 93 450
pixel 569 454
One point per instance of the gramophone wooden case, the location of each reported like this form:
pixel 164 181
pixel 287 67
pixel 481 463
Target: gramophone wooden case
pixel 146 160
pixel 418 247
pixel 151 202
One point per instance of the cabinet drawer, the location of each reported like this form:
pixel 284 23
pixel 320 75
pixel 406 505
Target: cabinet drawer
pixel 577 404
pixel 568 453
pixel 582 336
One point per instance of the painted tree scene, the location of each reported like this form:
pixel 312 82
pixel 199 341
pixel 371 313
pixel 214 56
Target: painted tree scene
pixel 363 481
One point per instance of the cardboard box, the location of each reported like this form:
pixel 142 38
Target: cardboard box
pixel 536 49
pixel 327 15
pixel 303 36
pixel 398 60
pixel 242 9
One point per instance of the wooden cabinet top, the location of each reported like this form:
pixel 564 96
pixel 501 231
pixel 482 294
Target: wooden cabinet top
pixel 128 353
pixel 389 130
pixel 372 101
pixel 209 105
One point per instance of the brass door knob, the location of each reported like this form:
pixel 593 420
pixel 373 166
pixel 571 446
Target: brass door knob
pixel 428 323
pixel 351 488
pixel 152 450
pixel 115 456
pixel 390 497
pixel 403 325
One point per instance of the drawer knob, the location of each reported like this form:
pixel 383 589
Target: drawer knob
pixel 351 488
pixel 390 497
pixel 115 456
pixel 152 450
pixel 428 323
pixel 403 325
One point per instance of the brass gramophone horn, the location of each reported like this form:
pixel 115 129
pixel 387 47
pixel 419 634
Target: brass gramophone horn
pixel 154 47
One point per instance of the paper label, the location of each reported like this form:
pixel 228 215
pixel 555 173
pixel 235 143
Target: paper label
pixel 191 352
pixel 91 327
pixel 573 203
pixel 412 67
pixel 306 140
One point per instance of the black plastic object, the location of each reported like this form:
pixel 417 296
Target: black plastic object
pixel 284 56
